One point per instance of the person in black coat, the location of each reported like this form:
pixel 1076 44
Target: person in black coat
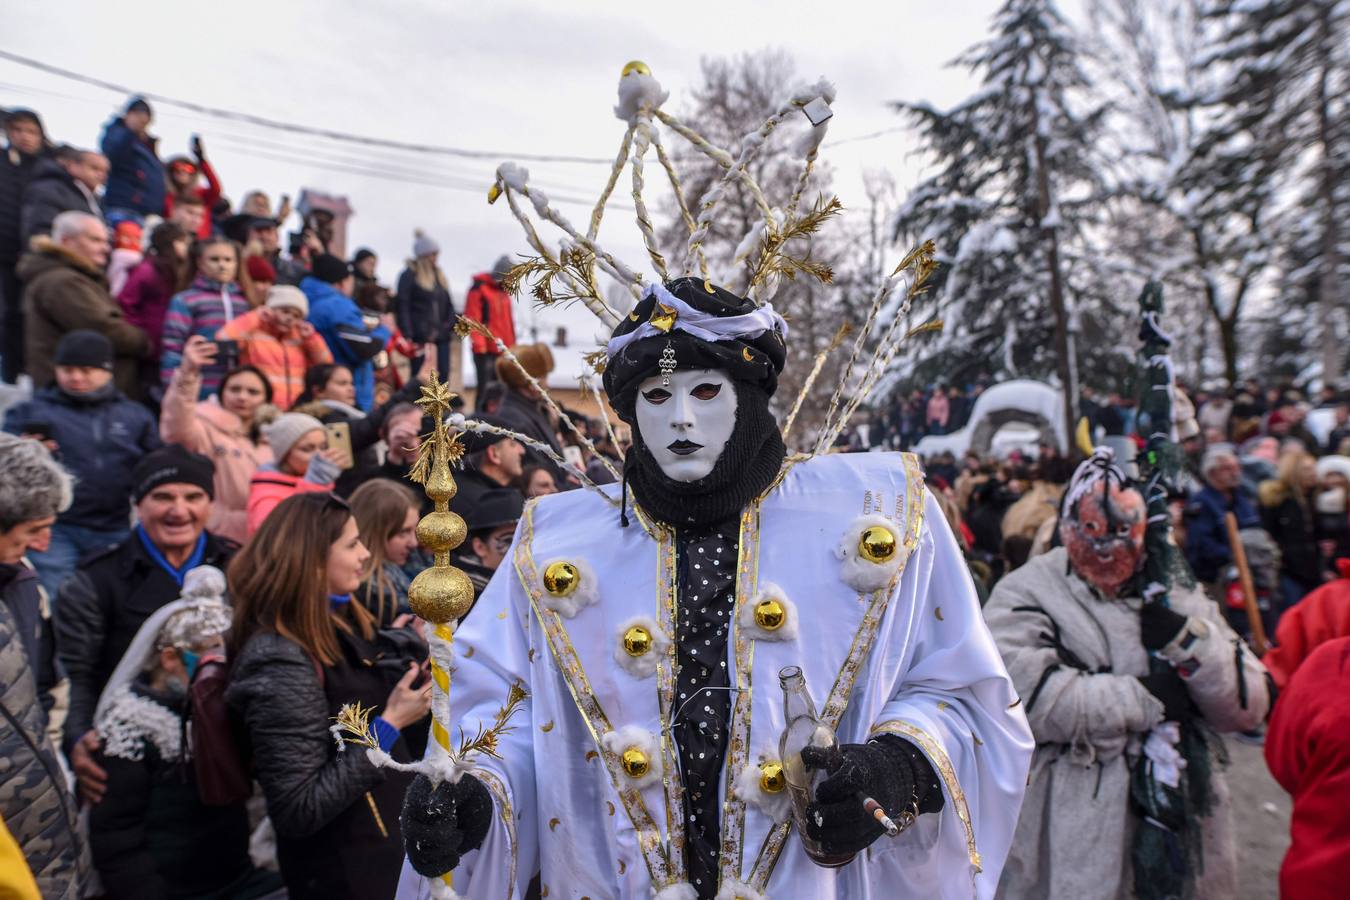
pixel 1288 515
pixel 301 648
pixel 422 305
pixel 152 835
pixel 26 144
pixel 105 601
pixel 68 181
pixel 99 436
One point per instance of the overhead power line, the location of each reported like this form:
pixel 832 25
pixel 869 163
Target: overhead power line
pixel 293 128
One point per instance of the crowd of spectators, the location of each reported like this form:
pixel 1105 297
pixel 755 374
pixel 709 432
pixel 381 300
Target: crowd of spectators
pixel 186 399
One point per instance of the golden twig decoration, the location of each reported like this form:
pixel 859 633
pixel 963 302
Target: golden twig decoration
pixel 435 403
pixel 568 279
pixel 487 739
pixel 353 720
pixel 773 258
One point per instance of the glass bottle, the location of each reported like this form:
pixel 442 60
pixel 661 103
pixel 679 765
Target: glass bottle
pixel 804 729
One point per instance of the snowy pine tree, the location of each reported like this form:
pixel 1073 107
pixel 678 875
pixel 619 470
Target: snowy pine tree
pixel 1286 107
pixel 1010 206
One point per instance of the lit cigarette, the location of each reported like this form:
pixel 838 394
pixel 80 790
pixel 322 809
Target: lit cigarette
pixel 873 808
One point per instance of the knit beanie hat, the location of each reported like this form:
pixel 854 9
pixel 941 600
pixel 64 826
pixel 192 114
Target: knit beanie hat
pixel 285 296
pixel 173 464
pixel 84 348
pixel 286 431
pixel 259 269
pixel 537 360
pixel 424 245
pixel 330 269
pixel 502 267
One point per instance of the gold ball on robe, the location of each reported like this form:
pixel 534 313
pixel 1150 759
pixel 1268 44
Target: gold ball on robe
pixel 770 615
pixel 877 544
pixel 771 778
pixel 635 763
pixel 561 578
pixel 637 66
pixel 440 595
pixel 637 641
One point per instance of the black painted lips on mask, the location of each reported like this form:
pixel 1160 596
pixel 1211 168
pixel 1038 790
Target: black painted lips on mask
pixel 748 465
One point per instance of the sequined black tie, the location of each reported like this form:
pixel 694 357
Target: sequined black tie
pixel 706 579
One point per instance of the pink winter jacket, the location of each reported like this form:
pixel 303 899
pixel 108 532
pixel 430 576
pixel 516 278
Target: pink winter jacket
pixel 208 428
pixel 269 488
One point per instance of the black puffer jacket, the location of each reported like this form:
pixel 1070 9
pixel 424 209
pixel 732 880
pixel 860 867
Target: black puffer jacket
pixel 34 803
pixel 335 814
pixel 16 171
pixel 52 191
pixel 100 608
pixel 423 315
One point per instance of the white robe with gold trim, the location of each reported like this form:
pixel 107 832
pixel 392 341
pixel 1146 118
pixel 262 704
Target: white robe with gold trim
pixel 913 658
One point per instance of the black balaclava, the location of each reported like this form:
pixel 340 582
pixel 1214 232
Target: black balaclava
pixel 752 456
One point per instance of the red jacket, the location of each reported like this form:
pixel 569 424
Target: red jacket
pixel 489 304
pixel 210 193
pixel 1321 616
pixel 1308 751
pixel 269 487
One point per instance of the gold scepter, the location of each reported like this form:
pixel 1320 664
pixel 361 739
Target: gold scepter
pixel 441 595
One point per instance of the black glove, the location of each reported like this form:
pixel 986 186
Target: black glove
pixel 888 769
pixel 1159 625
pixel 441 825
pixel 1167 686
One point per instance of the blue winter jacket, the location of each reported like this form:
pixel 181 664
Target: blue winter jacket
pixel 339 320
pixel 136 177
pixel 100 438
pixel 1207 548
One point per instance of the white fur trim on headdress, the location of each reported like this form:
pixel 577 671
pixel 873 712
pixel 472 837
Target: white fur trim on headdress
pixel 587 592
pixel 702 325
pixel 637 90
pixel 681 890
pixel 745 619
pixel 633 736
pixel 643 666
pixel 861 573
pixel 738 890
pixel 747 789
pixel 130 721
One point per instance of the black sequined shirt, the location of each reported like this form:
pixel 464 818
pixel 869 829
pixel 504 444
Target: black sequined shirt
pixel 706 583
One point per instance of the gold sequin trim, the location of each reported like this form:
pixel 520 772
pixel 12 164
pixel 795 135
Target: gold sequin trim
pixel 654 852
pixel 498 791
pixel 943 763
pixel 837 703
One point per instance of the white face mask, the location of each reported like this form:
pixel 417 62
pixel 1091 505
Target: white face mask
pixel 687 423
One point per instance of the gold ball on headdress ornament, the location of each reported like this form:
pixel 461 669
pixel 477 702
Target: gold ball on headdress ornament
pixel 561 578
pixel 635 763
pixel 637 66
pixel 771 778
pixel 441 594
pixel 770 615
pixel 441 531
pixel 637 641
pixel 877 544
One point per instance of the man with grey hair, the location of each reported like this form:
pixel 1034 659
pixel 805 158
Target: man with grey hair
pixel 1207 548
pixel 66 290
pixel 34 802
pixel 70 181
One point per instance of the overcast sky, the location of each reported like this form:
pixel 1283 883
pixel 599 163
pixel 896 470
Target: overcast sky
pixel 511 77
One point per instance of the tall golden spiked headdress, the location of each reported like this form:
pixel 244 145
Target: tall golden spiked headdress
pixel 765 256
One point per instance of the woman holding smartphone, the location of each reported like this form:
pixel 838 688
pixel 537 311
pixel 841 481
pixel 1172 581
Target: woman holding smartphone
pixel 300 650
pixel 302 462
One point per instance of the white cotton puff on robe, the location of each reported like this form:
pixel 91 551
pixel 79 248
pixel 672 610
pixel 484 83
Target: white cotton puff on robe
pixel 1076 830
pixel 932 674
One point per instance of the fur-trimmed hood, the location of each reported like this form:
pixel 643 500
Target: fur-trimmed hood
pixel 46 254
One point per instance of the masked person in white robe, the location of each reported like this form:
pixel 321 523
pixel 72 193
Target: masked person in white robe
pixel 649 627
pixel 1122 696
